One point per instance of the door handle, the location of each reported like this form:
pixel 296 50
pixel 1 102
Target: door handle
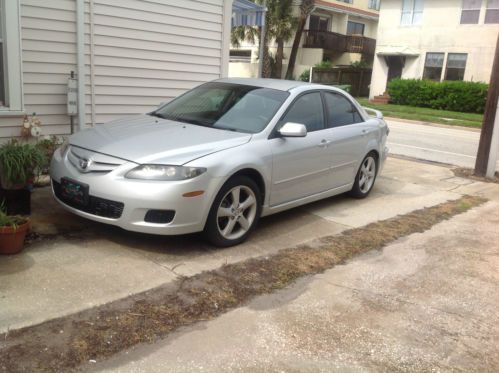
pixel 364 132
pixel 324 143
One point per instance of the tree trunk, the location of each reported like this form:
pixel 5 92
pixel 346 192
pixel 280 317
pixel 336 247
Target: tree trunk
pixel 296 45
pixel 278 58
pixel 266 68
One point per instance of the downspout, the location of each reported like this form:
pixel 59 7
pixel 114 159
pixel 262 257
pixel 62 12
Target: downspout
pixel 80 60
pixel 92 64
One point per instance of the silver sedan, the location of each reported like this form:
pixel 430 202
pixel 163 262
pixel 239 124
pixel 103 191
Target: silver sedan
pixel 219 157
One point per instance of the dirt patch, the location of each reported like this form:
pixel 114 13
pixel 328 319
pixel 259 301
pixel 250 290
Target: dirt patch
pixel 468 173
pixel 66 343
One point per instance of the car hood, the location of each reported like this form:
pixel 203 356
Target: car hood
pixel 147 139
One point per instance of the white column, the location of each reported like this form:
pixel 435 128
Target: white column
pixel 80 58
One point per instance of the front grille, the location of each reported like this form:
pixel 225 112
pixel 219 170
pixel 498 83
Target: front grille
pixel 96 206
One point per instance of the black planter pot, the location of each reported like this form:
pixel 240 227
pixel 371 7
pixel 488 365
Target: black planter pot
pixel 16 201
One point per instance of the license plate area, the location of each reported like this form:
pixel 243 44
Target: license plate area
pixel 74 192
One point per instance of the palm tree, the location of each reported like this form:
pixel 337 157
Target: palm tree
pixel 283 24
pixel 306 7
pixel 279 23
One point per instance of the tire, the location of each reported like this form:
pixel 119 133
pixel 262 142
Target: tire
pixel 366 176
pixel 231 223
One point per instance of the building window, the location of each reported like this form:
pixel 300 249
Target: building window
pixel 347 1
pixel 374 4
pixel 433 66
pixel 412 12
pixel 240 55
pixel 456 64
pixel 355 28
pixel 470 13
pixel 2 54
pixel 10 57
pixel 318 23
pixel 492 13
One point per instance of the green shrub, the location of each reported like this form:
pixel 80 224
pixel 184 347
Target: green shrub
pixel 467 97
pixel 305 76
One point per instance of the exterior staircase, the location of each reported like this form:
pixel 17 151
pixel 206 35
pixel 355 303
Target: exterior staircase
pixel 381 99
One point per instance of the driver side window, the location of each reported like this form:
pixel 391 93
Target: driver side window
pixel 307 110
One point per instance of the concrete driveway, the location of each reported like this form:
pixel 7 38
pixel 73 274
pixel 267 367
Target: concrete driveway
pixel 77 264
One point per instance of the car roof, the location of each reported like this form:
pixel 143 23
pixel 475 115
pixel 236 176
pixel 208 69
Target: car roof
pixel 282 85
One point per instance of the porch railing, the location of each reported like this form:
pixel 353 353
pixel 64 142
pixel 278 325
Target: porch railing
pixel 336 42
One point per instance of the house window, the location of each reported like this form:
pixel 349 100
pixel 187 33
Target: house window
pixel 240 55
pixel 470 13
pixel 2 53
pixel 456 64
pixel 412 12
pixel 374 4
pixel 10 57
pixel 492 13
pixel 433 66
pixel 355 28
pixel 318 23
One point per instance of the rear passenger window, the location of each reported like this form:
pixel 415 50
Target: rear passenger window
pixel 307 110
pixel 340 110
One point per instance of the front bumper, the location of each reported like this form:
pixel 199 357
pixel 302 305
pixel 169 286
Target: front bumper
pixel 140 196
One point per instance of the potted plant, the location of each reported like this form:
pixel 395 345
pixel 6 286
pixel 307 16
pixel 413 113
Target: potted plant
pixel 19 164
pixel 13 230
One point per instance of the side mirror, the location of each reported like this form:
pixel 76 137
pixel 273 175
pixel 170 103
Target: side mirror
pixel 291 129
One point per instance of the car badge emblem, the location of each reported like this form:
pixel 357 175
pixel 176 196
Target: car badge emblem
pixel 84 163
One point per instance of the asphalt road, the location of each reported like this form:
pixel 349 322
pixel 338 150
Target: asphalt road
pixel 450 145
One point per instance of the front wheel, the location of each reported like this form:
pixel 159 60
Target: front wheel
pixel 366 176
pixel 234 213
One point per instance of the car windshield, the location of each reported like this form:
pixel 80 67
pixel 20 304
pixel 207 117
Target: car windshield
pixel 233 107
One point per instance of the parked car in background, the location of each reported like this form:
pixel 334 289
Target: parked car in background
pixel 219 157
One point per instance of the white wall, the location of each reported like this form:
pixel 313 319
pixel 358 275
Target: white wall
pixel 440 31
pixel 145 52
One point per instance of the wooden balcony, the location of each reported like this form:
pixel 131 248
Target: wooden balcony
pixel 335 42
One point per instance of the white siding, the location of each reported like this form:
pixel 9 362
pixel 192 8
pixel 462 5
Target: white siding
pixel 145 52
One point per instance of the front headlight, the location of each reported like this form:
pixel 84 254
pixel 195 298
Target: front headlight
pixel 164 172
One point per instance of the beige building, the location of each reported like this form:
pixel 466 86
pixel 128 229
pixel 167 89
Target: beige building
pixel 340 31
pixel 131 55
pixel 435 39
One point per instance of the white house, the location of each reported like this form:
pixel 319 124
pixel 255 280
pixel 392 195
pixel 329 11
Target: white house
pixel 435 39
pixel 132 54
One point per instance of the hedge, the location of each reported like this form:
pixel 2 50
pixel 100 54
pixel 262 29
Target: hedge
pixel 468 97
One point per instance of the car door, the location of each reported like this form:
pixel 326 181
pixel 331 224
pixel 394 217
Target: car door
pixel 300 165
pixel 349 138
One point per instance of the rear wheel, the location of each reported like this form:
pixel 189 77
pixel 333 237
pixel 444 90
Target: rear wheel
pixel 234 213
pixel 366 176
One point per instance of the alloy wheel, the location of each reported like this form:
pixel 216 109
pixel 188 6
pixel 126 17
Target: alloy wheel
pixel 367 174
pixel 236 213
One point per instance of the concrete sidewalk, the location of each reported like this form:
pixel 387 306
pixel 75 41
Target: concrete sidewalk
pixel 78 264
pixel 425 303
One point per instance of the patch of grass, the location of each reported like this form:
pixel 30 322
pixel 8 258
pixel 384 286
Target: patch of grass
pixel 426 115
pixel 68 342
pixel 469 174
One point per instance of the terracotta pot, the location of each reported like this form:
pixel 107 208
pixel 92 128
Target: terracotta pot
pixel 12 239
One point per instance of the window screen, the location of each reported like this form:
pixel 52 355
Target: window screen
pixel 433 66
pixel 307 110
pixel 412 12
pixel 456 65
pixel 470 13
pixel 492 14
pixel 340 111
